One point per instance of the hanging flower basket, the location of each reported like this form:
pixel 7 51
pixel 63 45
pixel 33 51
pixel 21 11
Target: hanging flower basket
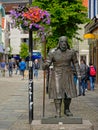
pixel 30 18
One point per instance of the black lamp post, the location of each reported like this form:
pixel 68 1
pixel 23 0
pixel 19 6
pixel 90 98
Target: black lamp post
pixel 30 74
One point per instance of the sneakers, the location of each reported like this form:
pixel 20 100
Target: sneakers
pixel 83 94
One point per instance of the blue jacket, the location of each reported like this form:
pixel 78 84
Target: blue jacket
pixel 22 65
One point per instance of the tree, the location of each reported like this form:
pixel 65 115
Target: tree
pixel 24 50
pixel 66 15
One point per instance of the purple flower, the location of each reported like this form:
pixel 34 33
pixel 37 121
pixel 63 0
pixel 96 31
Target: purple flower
pixel 25 23
pixel 18 18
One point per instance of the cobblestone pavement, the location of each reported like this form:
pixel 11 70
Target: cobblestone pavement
pixel 14 104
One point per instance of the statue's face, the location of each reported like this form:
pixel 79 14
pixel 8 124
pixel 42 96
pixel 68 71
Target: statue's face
pixel 63 43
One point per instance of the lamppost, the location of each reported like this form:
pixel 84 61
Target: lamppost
pixel 30 74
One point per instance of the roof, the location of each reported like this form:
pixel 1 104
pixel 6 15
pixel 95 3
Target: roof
pixel 14 1
pixel 85 3
pixel 10 4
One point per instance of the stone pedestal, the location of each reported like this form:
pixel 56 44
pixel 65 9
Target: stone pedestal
pixel 63 120
pixel 86 125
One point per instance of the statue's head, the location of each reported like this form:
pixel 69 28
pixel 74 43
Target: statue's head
pixel 63 43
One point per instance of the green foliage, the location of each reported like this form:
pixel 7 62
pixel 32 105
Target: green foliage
pixel 24 50
pixel 66 15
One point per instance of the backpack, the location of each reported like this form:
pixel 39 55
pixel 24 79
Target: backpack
pixel 92 71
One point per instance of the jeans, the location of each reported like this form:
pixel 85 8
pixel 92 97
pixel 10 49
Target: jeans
pixel 35 73
pixel 10 72
pixel 22 73
pixel 75 79
pixel 92 81
pixel 17 69
pixel 82 86
pixel 86 84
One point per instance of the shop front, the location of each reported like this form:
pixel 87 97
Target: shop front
pixel 91 33
pixel 2 15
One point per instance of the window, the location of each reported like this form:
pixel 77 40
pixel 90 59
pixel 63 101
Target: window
pixel 96 7
pixel 25 40
pixel 89 8
pixel 92 8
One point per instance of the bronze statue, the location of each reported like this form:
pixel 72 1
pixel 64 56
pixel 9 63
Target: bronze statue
pixel 61 84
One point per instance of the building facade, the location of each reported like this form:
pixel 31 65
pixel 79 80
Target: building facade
pixel 12 37
pixel 82 47
pixel 2 27
pixel 92 29
pixel 92 8
pixel 16 37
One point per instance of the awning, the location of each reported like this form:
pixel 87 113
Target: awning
pixel 89 36
pixel 1 49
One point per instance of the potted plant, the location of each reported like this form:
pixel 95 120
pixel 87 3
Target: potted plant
pixel 30 17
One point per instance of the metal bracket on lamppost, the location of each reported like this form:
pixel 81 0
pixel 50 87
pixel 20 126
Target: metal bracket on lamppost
pixel 30 74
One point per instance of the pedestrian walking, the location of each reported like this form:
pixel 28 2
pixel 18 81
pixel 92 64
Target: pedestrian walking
pixel 92 76
pixel 17 66
pixel 83 82
pixel 86 77
pixel 10 68
pixel 36 67
pixel 22 67
pixel 3 67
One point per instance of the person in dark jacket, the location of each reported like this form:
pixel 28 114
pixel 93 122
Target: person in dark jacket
pixel 36 67
pixel 83 83
pixel 92 76
pixel 10 68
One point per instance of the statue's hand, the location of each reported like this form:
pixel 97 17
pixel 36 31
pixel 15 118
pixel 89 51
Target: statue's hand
pixel 45 66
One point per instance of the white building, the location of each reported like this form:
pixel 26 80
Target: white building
pixel 82 47
pixel 16 38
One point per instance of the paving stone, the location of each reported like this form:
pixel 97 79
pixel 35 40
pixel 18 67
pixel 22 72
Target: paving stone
pixel 14 105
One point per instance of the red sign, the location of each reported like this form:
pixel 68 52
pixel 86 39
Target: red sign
pixel 3 23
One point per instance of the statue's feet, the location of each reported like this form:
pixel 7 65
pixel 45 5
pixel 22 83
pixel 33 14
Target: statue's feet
pixel 68 113
pixel 58 115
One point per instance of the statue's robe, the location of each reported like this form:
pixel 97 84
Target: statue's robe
pixel 61 80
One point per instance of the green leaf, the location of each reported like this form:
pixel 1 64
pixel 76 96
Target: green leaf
pixel 66 15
